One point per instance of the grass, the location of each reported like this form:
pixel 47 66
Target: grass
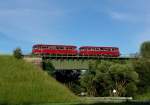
pixel 144 97
pixel 123 103
pixel 24 83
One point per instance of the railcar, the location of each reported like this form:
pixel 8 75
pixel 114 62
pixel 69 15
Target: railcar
pixel 41 49
pixel 99 51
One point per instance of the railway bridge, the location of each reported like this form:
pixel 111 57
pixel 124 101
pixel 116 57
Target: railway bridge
pixel 72 62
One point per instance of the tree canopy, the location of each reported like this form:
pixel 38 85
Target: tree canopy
pixel 17 53
pixel 103 77
pixel 145 49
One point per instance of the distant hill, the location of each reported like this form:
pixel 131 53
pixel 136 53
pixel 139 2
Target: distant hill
pixel 22 82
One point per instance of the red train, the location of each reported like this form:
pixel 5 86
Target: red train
pixel 41 49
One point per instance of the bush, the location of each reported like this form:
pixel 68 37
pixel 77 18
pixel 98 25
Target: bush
pixel 17 53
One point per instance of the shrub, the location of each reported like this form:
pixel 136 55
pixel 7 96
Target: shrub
pixel 17 53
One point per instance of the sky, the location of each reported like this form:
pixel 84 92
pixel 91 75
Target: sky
pixel 119 23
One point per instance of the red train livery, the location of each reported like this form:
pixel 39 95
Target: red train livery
pixel 54 49
pixel 41 49
pixel 99 51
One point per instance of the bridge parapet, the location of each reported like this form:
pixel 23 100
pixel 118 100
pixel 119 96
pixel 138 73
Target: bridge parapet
pixel 69 64
pixel 35 60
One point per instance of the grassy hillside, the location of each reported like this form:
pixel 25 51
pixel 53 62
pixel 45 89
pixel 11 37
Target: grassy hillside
pixel 21 82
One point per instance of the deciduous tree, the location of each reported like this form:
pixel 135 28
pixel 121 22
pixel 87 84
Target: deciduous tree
pixel 145 49
pixel 17 53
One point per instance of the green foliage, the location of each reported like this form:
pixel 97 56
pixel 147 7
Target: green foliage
pixel 123 76
pixel 89 83
pixel 17 53
pixel 131 89
pixel 104 76
pixel 48 66
pixel 23 83
pixel 145 49
pixel 145 96
pixel 142 67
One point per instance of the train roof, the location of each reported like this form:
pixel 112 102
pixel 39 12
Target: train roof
pixel 55 45
pixel 96 47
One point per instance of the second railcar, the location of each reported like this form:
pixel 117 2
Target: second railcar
pixel 99 51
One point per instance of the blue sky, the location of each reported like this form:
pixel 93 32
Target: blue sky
pixel 121 23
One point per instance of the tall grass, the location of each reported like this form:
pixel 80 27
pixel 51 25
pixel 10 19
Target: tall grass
pixel 21 82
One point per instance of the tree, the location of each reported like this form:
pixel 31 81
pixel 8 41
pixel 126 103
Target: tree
pixel 145 49
pixel 17 53
pixel 96 80
pixel 142 67
pixel 104 76
pixel 124 78
pixel 88 82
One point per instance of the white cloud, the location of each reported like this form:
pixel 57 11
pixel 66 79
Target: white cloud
pixel 130 17
pixel 119 16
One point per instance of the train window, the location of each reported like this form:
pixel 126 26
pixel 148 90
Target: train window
pixel 60 48
pixel 97 49
pixel 70 48
pixel 109 49
pixel 49 47
pixel 116 49
pixel 35 47
pixel 52 47
pixel 93 49
pixel 44 47
pixel 83 49
pixel 106 49
pixel 89 48
pixel 101 49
